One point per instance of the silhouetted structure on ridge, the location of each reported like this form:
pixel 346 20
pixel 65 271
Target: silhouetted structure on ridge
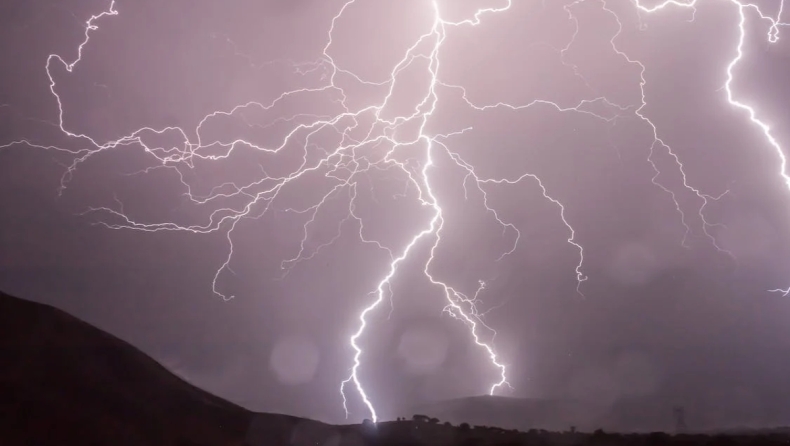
pixel 680 419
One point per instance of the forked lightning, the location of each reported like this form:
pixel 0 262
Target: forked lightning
pixel 349 159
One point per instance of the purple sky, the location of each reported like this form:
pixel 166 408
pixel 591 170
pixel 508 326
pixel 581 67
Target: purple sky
pixel 689 325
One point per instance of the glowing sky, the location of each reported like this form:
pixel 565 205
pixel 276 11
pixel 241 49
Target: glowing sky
pixel 228 186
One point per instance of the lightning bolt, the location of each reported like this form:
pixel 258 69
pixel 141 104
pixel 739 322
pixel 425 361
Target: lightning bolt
pixel 772 37
pixel 368 138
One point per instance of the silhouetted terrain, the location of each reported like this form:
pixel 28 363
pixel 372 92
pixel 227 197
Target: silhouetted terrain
pixel 624 415
pixel 64 382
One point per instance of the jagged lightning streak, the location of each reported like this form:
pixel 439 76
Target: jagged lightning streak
pixel 453 297
pixel 349 159
pixel 659 142
pixel 773 37
pixel 471 317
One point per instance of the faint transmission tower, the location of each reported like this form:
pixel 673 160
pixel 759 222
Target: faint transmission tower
pixel 680 419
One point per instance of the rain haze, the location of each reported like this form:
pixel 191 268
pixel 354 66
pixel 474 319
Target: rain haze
pixel 486 172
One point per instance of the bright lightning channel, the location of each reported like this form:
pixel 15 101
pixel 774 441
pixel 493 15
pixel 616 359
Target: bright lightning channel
pixel 345 162
pixel 773 37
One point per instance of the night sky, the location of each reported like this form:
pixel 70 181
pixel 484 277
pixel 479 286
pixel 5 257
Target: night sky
pixel 681 317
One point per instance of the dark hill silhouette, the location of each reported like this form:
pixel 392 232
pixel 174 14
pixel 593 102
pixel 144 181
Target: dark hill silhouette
pixel 64 382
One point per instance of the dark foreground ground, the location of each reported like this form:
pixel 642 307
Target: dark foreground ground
pixel 64 382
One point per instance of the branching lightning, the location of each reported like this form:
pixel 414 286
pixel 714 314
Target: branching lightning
pixel 773 37
pixel 351 158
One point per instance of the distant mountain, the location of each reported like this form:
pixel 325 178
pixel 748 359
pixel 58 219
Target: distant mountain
pixel 65 382
pixel 505 412
pixel 624 415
